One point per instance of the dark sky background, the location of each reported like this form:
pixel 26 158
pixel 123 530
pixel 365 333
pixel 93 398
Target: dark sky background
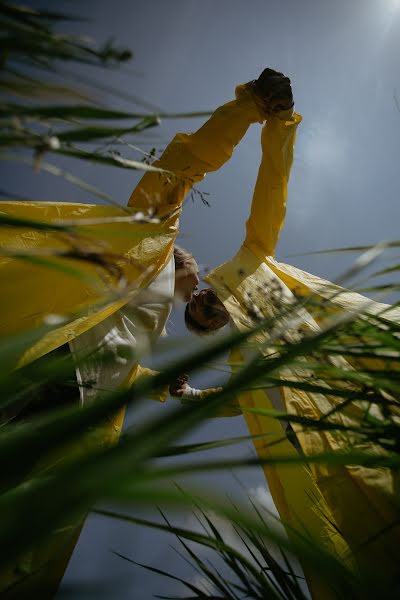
pixel 343 60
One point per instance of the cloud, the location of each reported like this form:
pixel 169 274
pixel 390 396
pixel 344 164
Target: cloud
pixel 262 497
pixel 324 145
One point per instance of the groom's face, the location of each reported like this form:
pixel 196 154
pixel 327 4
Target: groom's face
pixel 207 310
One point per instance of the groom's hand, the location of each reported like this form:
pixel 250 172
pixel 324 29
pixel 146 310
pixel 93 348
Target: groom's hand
pixel 275 90
pixel 180 386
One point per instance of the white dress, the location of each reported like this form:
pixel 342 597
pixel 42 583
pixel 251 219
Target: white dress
pixel 107 353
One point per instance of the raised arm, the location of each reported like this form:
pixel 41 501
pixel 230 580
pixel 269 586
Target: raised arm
pixel 269 200
pixel 190 156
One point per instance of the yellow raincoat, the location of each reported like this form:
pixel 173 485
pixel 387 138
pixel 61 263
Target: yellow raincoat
pixel 359 503
pixel 363 503
pixel 33 291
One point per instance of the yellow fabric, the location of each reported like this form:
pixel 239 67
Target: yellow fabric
pixel 139 371
pixel 144 248
pixel 361 500
pixel 229 409
pixel 31 292
pixel 364 503
pixel 301 505
pixel 38 571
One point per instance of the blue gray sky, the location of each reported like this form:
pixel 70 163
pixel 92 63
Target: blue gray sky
pixel 343 60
